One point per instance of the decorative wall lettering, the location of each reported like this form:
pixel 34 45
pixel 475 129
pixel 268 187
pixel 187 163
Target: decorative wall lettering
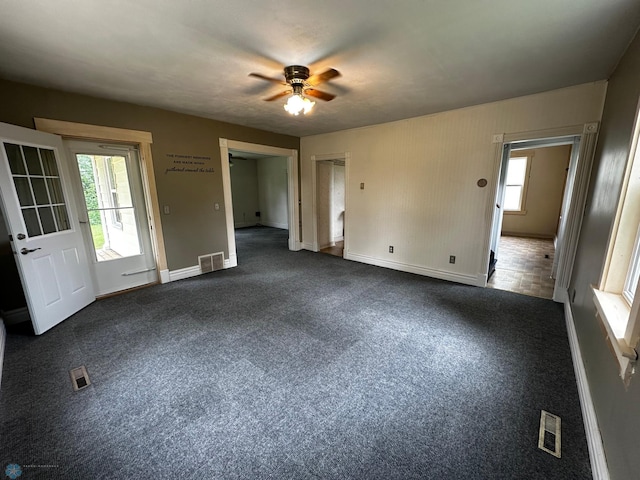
pixel 188 164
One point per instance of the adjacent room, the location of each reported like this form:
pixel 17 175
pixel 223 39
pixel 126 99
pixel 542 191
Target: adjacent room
pixel 361 241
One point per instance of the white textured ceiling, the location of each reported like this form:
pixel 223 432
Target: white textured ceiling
pixel 398 59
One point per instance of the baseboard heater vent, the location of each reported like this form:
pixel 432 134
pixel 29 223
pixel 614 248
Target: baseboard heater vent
pixel 79 378
pixel 211 262
pixel 549 436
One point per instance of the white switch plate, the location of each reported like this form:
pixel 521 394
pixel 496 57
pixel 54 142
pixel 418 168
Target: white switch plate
pixel 216 206
pixel 166 209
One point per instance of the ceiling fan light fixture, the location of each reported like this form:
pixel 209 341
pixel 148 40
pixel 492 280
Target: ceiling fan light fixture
pixel 296 103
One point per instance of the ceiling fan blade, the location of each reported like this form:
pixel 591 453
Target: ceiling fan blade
pixel 325 76
pixel 268 79
pixel 312 92
pixel 277 96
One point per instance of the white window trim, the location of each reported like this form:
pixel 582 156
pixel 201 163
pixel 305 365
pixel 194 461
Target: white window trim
pixel 631 282
pixel 525 184
pixel 618 315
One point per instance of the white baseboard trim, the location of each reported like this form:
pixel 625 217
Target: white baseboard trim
pixel 338 239
pixel 308 246
pixel 597 456
pixel 282 226
pixel 165 276
pixel 194 271
pixel 3 339
pixel 245 224
pixel 405 267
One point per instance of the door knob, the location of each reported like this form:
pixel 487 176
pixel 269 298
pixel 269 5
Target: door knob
pixel 25 251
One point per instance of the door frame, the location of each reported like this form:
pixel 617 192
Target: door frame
pixel 578 178
pixel 343 156
pixel 293 197
pixel 139 138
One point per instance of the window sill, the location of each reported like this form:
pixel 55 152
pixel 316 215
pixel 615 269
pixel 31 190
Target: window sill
pixel 613 312
pixel 515 212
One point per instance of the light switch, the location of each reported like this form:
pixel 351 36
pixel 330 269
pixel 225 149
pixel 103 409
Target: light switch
pixel 216 206
pixel 166 210
pixel 362 186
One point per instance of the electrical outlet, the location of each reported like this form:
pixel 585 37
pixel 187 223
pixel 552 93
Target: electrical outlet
pixel 390 248
pixel 452 259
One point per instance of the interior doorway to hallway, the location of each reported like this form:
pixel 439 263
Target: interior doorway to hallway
pixel 330 206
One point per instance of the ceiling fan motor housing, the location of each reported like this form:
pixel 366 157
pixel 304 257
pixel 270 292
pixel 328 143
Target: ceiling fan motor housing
pixel 296 74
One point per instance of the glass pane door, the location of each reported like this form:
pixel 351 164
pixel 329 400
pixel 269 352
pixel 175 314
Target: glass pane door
pixel 39 189
pixel 110 208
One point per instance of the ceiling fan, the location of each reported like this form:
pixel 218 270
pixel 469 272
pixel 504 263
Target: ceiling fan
pixel 300 83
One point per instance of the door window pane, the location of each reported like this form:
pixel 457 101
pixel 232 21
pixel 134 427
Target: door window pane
pixel 31 222
pixel 38 183
pixel 46 218
pixel 49 162
pixel 55 190
pixel 40 191
pixel 23 189
pixel 33 160
pixel 14 154
pixel 107 193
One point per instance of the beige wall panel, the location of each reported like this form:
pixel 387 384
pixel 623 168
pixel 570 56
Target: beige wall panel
pixel 420 176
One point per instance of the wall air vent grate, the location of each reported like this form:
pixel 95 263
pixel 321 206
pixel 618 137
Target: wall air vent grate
pixel 211 262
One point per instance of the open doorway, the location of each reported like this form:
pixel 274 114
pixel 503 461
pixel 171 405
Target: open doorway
pixel 261 186
pixel 534 188
pixel 582 140
pixel 330 206
pixel 259 193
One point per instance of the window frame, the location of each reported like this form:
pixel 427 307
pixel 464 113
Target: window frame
pixel 617 301
pixel 525 183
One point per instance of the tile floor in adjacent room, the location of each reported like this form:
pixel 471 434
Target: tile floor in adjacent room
pixel 524 266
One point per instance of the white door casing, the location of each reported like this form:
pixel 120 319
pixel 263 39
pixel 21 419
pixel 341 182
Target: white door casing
pixel 49 249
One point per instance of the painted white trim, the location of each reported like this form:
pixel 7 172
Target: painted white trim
pixel 282 226
pixel 194 271
pixel 597 456
pixel 293 206
pixel 308 246
pixel 3 337
pixel 405 267
pixel 165 276
pixel 346 156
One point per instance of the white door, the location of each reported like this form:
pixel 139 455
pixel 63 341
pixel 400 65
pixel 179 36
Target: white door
pixel 42 220
pixel 113 217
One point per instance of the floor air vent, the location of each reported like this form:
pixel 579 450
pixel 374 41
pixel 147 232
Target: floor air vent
pixel 211 262
pixel 549 436
pixel 79 378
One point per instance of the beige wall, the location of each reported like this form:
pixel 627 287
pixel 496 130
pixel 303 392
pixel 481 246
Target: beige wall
pixel 272 192
pixel 193 227
pixel 547 177
pixel 420 179
pixel 617 408
pixel 244 192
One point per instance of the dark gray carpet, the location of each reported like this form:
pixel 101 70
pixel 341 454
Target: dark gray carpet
pixel 295 365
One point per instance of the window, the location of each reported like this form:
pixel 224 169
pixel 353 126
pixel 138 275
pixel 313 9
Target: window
pixel 616 298
pixel 633 273
pixel 515 187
